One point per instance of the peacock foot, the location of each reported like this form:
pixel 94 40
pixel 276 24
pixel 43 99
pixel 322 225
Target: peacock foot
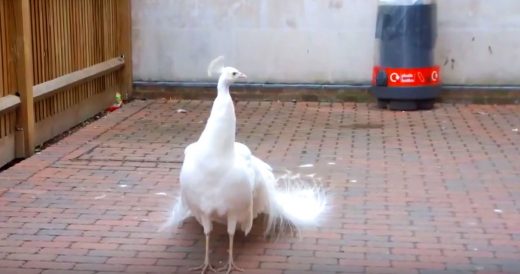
pixel 230 267
pixel 204 268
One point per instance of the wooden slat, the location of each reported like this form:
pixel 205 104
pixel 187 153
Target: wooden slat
pixel 4 46
pixel 76 78
pixel 43 39
pixel 37 35
pixel 8 103
pixel 52 41
pixel 67 33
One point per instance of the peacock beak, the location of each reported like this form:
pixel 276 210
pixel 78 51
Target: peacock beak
pixel 242 76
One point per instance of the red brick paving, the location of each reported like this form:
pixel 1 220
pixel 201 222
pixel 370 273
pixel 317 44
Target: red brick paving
pixel 410 192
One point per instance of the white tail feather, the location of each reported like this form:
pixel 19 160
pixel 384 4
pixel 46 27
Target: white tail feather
pixel 179 213
pixel 295 203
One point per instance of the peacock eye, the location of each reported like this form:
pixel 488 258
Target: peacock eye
pixel 235 73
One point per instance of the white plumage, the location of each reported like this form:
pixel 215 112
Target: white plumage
pixel 222 181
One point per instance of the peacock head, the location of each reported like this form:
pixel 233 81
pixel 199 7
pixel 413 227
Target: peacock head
pixel 231 75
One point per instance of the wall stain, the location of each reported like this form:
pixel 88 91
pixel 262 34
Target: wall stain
pixel 291 23
pixel 474 6
pixel 335 4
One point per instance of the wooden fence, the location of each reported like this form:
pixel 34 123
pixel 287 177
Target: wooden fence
pixel 61 62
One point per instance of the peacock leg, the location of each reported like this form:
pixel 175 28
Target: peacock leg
pixel 231 263
pixel 206 265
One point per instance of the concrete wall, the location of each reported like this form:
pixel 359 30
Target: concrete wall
pixel 314 41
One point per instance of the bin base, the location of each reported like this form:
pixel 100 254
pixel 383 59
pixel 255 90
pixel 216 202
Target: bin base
pixel 406 105
pixel 401 98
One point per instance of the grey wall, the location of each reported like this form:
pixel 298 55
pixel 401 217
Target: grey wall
pixel 309 41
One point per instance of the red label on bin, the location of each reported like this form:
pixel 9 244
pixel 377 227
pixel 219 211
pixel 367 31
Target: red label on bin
pixel 409 77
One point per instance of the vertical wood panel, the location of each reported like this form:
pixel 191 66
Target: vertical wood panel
pixel 7 40
pixel 7 79
pixel 24 71
pixel 3 48
pixel 73 34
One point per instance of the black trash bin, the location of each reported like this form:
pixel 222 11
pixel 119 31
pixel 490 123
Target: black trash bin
pixel 405 76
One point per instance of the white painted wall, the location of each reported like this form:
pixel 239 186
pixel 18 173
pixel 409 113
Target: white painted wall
pixel 314 41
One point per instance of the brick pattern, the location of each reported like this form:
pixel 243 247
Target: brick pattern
pixel 410 192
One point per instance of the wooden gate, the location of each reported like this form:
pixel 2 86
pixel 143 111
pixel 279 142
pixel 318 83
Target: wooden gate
pixel 61 62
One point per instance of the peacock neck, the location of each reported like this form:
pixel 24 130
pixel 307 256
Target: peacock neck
pixel 220 130
pixel 223 88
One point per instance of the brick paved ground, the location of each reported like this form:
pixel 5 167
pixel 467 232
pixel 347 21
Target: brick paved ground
pixel 419 192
